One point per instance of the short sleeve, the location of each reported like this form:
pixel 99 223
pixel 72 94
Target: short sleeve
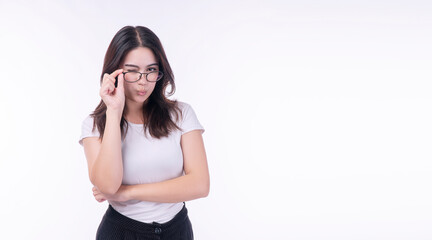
pixel 190 121
pixel 86 129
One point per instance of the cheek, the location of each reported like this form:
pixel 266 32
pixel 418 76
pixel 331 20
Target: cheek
pixel 152 88
pixel 127 90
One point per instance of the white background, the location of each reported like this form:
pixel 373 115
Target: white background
pixel 317 114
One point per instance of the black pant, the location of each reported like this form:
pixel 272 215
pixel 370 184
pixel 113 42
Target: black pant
pixel 116 226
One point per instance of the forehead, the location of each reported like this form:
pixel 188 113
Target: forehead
pixel 140 56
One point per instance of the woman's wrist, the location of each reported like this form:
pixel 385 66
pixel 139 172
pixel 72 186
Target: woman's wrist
pixel 116 113
pixel 128 192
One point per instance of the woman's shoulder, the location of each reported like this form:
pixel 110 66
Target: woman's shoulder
pixel 189 118
pixel 183 104
pixel 87 120
pixel 184 109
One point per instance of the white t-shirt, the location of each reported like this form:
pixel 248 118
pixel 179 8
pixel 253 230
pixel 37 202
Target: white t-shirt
pixel 150 160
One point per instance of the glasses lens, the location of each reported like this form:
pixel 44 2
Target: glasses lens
pixel 154 76
pixel 132 76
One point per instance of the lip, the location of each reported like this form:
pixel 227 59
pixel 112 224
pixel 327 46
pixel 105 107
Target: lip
pixel 141 93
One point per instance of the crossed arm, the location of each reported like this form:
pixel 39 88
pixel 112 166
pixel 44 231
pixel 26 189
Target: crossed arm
pixel 194 184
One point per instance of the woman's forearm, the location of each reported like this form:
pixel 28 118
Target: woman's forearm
pixel 107 170
pixel 180 189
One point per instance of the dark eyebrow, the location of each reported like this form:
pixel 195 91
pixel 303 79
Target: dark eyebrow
pixel 135 66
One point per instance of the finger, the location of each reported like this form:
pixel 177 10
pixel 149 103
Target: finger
pixel 96 192
pixel 99 196
pixel 118 78
pixel 116 73
pixel 108 78
pixel 99 199
pixel 120 82
pixel 108 88
pixel 104 91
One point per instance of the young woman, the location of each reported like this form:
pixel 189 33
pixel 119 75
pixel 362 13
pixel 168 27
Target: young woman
pixel 145 153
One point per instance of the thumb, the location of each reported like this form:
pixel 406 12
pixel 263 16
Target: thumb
pixel 120 81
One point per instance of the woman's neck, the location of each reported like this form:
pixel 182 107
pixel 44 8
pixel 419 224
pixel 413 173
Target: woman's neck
pixel 134 113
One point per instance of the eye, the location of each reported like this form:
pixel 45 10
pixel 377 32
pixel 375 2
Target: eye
pixel 151 69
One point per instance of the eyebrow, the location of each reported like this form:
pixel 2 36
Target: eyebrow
pixel 135 66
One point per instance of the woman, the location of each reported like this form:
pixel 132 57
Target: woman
pixel 145 153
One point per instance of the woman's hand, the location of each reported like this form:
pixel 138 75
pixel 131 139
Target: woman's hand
pixel 114 98
pixel 120 196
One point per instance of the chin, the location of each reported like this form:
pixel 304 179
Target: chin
pixel 143 99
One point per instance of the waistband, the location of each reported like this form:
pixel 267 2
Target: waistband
pixel 113 216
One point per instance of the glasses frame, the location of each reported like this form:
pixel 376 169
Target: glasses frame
pixel 160 73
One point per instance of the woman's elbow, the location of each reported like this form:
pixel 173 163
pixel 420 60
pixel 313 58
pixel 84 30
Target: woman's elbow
pixel 205 189
pixel 110 190
pixel 106 188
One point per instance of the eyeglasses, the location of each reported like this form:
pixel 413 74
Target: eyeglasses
pixel 133 76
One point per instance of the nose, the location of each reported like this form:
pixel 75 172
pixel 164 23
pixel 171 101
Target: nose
pixel 142 80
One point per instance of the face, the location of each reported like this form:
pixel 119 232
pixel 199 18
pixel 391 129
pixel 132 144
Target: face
pixel 142 60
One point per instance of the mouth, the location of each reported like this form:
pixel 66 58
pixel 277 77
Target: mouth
pixel 141 93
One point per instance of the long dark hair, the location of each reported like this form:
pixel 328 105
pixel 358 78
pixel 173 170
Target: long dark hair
pixel 157 108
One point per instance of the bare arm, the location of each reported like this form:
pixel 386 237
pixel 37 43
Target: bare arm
pixel 105 158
